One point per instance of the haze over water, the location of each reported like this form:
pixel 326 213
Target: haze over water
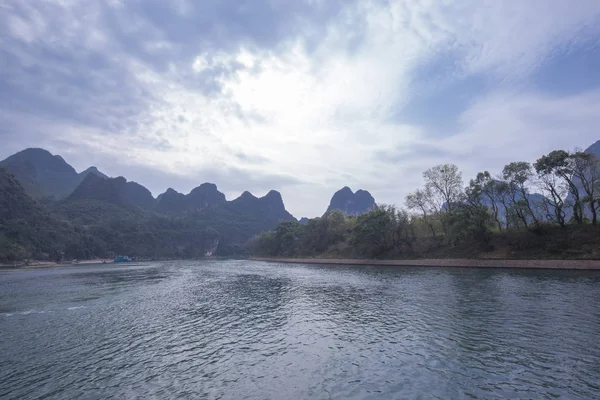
pixel 250 330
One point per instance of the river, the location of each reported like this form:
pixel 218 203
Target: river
pixel 254 330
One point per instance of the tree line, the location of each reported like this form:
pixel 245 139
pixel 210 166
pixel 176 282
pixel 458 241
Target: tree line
pixel 544 204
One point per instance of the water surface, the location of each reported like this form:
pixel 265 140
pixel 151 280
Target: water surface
pixel 252 330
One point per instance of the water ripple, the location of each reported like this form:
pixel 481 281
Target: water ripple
pixel 246 330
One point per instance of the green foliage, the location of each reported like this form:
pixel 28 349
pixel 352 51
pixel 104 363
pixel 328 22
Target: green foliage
pixel 378 233
pixel 26 229
pixel 90 228
pixel 499 214
pixel 375 234
pixel 442 218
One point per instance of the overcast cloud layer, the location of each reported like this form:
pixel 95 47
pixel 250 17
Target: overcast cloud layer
pixel 301 97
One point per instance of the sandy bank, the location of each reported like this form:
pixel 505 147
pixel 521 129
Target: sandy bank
pixel 470 263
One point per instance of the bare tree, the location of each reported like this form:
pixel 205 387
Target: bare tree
pixel 445 182
pixel 422 202
pixel 555 193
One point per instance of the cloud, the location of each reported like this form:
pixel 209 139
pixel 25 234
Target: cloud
pixel 304 97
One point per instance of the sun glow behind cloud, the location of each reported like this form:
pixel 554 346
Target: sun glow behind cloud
pixel 318 106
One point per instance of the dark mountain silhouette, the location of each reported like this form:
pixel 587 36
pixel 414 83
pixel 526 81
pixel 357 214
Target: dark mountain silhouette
pixel 26 228
pixel 252 214
pixel 200 198
pixel 171 201
pixel 42 174
pixel 91 170
pixel 269 209
pixel 92 215
pixel 351 203
pixel 204 196
pixel 113 190
pixel 594 149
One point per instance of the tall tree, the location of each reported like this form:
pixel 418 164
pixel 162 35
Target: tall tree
pixel 563 165
pixel 554 187
pixel 487 190
pixel 421 201
pixel 586 171
pixel 518 175
pixel 445 182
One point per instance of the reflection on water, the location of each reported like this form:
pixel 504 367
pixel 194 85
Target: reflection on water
pixel 251 330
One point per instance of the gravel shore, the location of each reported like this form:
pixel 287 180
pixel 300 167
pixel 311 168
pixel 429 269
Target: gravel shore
pixel 470 263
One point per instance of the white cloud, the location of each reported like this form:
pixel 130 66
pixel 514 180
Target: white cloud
pixel 321 112
pixel 507 127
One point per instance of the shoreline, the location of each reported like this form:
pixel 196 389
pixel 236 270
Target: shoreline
pixel 589 265
pixel 49 264
pixel 572 264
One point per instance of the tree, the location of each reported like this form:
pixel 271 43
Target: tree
pixel 287 238
pixel 445 182
pixel 405 230
pixel 487 190
pixel 586 171
pixel 375 234
pixel 421 201
pixel 554 187
pixel 517 175
pixel 562 165
pixel 469 222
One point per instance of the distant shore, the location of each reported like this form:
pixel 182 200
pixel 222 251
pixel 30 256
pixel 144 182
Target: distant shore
pixel 47 264
pixel 450 262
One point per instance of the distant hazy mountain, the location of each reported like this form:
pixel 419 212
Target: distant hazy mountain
pixel 594 149
pixel 536 201
pixel 240 219
pixel 91 170
pixel 351 203
pixel 113 190
pixel 268 209
pixel 42 174
pixel 200 198
pixel 206 199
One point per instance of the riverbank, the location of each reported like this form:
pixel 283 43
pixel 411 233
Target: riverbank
pixel 450 262
pixel 49 264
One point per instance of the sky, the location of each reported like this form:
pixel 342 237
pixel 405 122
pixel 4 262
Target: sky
pixel 303 97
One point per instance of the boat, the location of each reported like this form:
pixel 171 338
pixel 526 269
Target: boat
pixel 120 259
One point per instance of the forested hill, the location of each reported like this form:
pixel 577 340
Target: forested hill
pixel 85 226
pixel 548 209
pixel 26 229
pixel 44 175
pixel 50 212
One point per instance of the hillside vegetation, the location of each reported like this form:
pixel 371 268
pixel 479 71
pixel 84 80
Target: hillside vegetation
pixel 492 217
pixel 102 219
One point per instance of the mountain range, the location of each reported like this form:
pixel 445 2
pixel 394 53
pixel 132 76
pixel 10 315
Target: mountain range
pixel 100 216
pixel 49 210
